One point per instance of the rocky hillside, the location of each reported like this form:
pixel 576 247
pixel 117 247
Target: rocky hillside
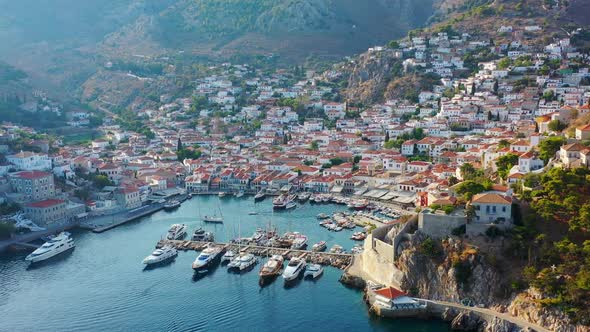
pixel 452 271
pixel 378 76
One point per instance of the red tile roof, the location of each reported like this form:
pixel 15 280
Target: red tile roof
pixel 32 174
pixel 46 203
pixel 390 292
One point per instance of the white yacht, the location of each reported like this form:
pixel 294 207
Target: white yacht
pixel 299 242
pixel 51 248
pixel 313 271
pixel 247 261
pixel 228 256
pixel 202 236
pixel 176 232
pixel 214 219
pixel 160 255
pixel 294 268
pixel 242 262
pixel 206 258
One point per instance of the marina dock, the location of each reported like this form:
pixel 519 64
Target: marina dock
pixel 339 261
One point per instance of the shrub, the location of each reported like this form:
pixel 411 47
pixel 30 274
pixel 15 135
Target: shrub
pixel 458 231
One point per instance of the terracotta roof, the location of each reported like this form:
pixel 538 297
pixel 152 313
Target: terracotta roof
pixel 390 292
pixel 573 147
pixel 31 174
pixel 490 198
pixel 46 203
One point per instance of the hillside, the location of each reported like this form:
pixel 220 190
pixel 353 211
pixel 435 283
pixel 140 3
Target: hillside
pixel 372 77
pixel 293 28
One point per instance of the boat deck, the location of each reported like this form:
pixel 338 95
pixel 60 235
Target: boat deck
pixel 340 261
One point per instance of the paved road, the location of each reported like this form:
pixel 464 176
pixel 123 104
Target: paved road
pixel 514 320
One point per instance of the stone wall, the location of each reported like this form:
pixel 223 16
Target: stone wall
pixel 439 225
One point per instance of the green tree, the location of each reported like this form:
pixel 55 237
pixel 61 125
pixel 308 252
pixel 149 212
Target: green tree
pixel 556 125
pixel 505 163
pixel 549 146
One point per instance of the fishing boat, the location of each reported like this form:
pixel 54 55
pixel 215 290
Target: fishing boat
pixel 313 271
pixel 280 203
pixel 176 232
pixel 293 269
pixel 201 235
pixel 319 247
pixel 299 242
pixel 259 196
pixel 303 197
pixel 358 236
pixel 358 204
pixel 337 249
pixel 271 269
pixel 171 205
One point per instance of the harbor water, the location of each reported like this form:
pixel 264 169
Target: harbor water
pixel 102 285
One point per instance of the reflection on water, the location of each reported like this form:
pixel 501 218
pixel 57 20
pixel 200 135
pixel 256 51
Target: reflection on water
pixel 102 285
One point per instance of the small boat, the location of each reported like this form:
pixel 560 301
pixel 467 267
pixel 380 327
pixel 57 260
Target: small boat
pixel 176 232
pixel 228 256
pixel 203 236
pixel 337 249
pixel 357 249
pixel 280 203
pixel 259 196
pixel 303 197
pixel 160 255
pixel 271 269
pixel 213 219
pixel 221 194
pixel 358 236
pixel 299 242
pixel 55 246
pixel 242 262
pixel 206 258
pixel 294 268
pixel 322 216
pixel 319 247
pixel 239 194
pixel 189 196
pixel 169 206
pixel 313 271
pixel 290 205
pixel 252 213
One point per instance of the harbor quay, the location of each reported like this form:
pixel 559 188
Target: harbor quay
pixel 337 260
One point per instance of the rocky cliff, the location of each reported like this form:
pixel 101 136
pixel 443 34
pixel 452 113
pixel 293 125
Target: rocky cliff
pixel 454 273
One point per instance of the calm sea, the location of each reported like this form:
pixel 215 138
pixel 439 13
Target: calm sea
pixel 102 285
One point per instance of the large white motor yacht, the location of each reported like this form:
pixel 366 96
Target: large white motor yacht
pixel 160 255
pixel 206 258
pixel 51 248
pixel 176 232
pixel 293 269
